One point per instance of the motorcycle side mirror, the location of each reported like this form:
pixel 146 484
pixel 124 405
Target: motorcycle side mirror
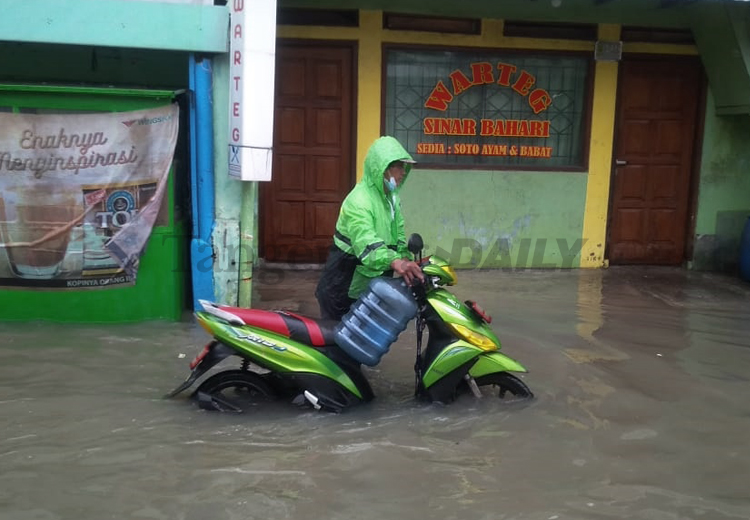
pixel 415 244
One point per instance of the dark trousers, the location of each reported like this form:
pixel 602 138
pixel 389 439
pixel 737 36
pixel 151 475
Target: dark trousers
pixel 332 291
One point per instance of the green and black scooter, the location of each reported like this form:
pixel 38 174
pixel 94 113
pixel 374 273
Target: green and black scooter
pixel 284 355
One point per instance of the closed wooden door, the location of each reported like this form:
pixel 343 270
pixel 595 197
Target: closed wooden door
pixel 312 164
pixel 654 144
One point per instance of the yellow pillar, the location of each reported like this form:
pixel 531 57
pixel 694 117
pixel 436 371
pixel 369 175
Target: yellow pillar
pixel 600 155
pixel 589 302
pixel 369 74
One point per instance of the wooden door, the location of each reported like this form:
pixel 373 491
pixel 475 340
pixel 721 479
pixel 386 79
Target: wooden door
pixel 312 164
pixel 655 139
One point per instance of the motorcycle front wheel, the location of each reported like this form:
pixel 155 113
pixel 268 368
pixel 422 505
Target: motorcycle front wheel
pixel 509 388
pixel 233 391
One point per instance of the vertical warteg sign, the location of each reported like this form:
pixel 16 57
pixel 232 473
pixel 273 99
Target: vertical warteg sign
pixel 251 94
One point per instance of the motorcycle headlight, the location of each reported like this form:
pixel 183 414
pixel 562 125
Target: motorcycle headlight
pixel 475 338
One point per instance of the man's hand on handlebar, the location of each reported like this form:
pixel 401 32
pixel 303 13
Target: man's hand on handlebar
pixel 408 270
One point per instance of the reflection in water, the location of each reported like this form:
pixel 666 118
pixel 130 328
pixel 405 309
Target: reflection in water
pixel 641 412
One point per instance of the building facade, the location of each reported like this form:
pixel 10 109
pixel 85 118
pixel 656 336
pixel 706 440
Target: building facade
pixel 72 58
pixel 561 134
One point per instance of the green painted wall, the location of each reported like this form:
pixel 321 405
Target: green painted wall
pixel 235 233
pixel 229 193
pixel 722 33
pixel 492 219
pixel 117 23
pixel 724 191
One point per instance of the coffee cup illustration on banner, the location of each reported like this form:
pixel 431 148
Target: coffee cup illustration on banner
pixel 36 224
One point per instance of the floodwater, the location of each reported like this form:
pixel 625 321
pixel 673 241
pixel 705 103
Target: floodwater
pixel 642 411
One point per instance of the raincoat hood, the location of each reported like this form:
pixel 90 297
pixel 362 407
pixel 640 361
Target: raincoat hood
pixel 383 152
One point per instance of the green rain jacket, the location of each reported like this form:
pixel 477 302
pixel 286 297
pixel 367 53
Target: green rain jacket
pixel 370 225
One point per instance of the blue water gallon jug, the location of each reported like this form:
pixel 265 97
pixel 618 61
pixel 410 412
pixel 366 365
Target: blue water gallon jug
pixel 375 320
pixel 745 252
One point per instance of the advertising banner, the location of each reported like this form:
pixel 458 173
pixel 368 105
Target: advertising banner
pixel 80 194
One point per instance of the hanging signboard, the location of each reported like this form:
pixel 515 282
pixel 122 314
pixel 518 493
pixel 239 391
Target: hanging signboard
pixel 487 109
pixel 80 193
pixel 252 48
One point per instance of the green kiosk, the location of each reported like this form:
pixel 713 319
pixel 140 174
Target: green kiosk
pixel 87 286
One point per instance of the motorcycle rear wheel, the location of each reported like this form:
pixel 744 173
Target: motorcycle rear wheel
pixel 509 388
pixel 250 389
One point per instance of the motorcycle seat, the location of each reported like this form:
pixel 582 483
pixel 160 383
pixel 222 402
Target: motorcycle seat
pixel 310 331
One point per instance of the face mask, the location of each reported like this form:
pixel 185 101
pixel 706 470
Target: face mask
pixel 391 184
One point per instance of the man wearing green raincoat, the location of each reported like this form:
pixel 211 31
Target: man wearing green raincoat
pixel 369 240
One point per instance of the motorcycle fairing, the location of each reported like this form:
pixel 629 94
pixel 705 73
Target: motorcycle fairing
pixel 460 353
pixel 451 310
pixel 491 362
pixel 449 359
pixel 330 395
pixel 444 390
pixel 275 352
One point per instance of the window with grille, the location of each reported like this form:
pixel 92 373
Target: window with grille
pixel 486 110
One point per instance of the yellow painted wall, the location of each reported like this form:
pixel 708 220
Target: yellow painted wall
pixel 600 155
pixel 371 36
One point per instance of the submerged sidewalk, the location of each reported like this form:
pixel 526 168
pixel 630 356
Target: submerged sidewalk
pixel 294 290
